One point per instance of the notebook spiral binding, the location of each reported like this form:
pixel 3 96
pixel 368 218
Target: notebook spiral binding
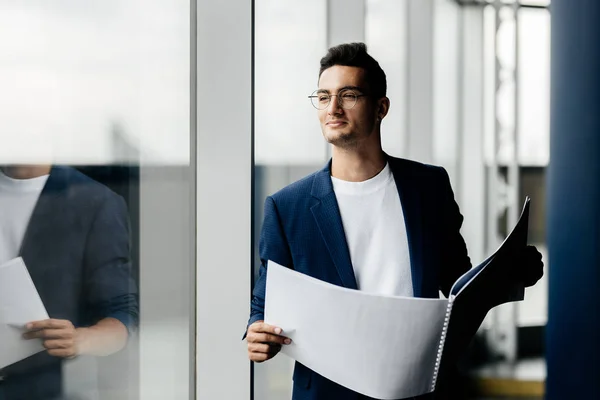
pixel 438 359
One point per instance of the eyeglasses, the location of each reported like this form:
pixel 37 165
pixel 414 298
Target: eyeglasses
pixel 346 99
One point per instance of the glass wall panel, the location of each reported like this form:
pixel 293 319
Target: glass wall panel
pixel 96 190
pixel 533 135
pixel 534 87
pixel 290 40
pixel 93 76
pixel 386 34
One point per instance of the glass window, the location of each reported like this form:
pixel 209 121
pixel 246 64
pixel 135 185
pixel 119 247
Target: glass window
pixel 517 93
pixel 382 27
pixel 489 85
pixel 290 41
pixel 446 107
pixel 534 142
pixel 93 75
pixel 534 87
pixel 94 123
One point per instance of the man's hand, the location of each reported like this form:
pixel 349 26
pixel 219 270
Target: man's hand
pixel 59 336
pixel 264 341
pixel 530 266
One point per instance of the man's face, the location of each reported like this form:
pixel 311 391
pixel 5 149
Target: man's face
pixel 346 128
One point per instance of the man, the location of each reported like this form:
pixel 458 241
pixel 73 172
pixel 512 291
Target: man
pixel 366 221
pixel 73 235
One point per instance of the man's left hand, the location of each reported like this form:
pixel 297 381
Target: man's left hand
pixel 59 336
pixel 530 266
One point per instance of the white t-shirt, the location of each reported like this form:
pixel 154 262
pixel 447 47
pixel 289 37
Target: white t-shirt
pixel 18 198
pixel 376 234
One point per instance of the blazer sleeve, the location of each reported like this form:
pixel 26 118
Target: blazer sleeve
pixel 109 287
pixel 455 256
pixel 273 246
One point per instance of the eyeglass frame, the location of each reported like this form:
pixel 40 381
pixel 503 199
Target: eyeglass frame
pixel 345 89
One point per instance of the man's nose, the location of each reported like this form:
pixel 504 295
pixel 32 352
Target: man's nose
pixel 334 106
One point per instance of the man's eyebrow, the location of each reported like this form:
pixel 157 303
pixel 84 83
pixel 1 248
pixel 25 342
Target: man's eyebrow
pixel 357 88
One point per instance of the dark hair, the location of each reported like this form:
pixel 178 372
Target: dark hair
pixel 355 55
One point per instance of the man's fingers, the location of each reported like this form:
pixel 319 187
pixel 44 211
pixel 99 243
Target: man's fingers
pixel 274 349
pixel 262 352
pixel 58 344
pixel 268 338
pixel 33 335
pixel 532 253
pixel 264 348
pixel 259 348
pixel 535 266
pixel 535 275
pixel 261 327
pixel 48 334
pixel 48 324
pixel 259 332
pixel 259 357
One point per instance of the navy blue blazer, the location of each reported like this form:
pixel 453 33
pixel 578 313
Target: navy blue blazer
pixel 76 248
pixel 302 229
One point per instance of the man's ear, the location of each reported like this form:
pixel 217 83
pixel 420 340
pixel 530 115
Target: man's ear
pixel 383 108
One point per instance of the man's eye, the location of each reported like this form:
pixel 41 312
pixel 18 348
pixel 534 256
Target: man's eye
pixel 349 96
pixel 323 98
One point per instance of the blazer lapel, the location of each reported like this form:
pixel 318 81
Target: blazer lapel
pixel 410 198
pixel 329 220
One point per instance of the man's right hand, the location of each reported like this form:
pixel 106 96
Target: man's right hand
pixel 264 341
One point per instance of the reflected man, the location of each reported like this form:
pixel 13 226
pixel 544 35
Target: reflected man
pixel 73 234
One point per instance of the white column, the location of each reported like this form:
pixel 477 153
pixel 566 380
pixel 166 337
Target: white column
pixel 224 171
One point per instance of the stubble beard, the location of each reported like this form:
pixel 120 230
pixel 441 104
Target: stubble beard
pixel 347 141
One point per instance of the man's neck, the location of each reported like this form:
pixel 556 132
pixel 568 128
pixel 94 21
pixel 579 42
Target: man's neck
pixel 26 171
pixel 355 165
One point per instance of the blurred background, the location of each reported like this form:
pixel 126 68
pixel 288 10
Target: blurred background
pixel 195 111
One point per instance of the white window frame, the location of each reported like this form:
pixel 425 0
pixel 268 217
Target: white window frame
pixel 224 66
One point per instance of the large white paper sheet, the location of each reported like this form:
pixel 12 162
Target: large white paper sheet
pixel 20 303
pixel 381 346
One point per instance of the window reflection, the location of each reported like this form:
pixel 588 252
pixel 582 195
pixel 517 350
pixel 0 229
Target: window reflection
pixel 101 93
pixel 73 75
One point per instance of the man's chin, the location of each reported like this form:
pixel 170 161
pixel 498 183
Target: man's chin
pixel 340 139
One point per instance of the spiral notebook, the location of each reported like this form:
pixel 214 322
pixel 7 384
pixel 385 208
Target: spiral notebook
pixel 387 347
